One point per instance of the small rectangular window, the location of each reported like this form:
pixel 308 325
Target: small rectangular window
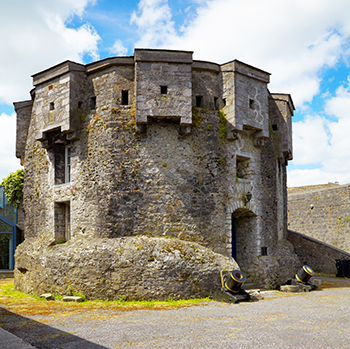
pixel 80 104
pixel 67 222
pixel 93 102
pixel 163 90
pixel 251 104
pixel 125 97
pixel 224 102
pixel 62 163
pixel 199 101
pixel 52 106
pixel 67 156
pixel 274 127
pixel 62 222
pixel 216 103
pixel 242 167
pixel 264 251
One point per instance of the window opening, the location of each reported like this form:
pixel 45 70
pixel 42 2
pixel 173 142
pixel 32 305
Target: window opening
pixel 163 90
pixel 93 102
pixel 242 167
pixel 67 156
pixel 80 104
pixel 125 97
pixel 216 103
pixel 274 127
pixel 224 101
pixel 251 104
pixel 52 106
pixel 62 154
pixel 62 222
pixel 264 251
pixel 199 101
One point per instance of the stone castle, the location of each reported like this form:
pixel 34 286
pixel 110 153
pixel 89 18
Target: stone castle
pixel 145 175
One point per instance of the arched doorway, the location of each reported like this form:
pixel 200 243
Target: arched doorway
pixel 243 236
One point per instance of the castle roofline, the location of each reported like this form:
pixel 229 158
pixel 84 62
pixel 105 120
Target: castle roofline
pixel 168 56
pixel 246 69
pixel 56 70
pixel 108 62
pixel 301 190
pixel 285 97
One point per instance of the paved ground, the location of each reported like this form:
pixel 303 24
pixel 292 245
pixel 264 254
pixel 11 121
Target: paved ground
pixel 319 319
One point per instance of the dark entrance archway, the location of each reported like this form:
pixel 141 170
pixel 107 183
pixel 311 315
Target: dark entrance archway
pixel 243 235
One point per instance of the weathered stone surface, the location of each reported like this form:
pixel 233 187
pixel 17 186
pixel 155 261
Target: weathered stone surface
pixel 145 162
pixel 72 299
pixel 134 267
pixel 321 212
pixel 296 288
pixel 47 296
pixel 321 257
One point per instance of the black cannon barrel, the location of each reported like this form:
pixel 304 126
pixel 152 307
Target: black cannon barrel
pixel 234 281
pixel 304 274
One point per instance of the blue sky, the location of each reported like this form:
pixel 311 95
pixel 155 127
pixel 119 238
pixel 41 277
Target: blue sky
pixel 305 45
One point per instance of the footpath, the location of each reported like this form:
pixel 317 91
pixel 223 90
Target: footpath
pixel 318 319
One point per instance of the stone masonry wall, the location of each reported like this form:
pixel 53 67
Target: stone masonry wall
pixel 321 213
pixel 319 256
pixel 159 183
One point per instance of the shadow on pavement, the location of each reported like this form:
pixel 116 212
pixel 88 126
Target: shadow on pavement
pixel 40 335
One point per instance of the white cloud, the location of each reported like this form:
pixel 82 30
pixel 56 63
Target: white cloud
pixel 297 178
pixel 37 37
pixel 324 141
pixel 118 48
pixel 8 162
pixel 154 22
pixel 292 39
pixel 310 138
pixel 296 41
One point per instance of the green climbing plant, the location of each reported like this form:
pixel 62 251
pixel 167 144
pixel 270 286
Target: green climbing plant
pixel 13 187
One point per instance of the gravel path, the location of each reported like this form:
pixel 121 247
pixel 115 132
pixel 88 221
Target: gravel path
pixel 319 319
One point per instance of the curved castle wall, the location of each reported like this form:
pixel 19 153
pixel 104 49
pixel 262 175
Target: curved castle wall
pixel 156 145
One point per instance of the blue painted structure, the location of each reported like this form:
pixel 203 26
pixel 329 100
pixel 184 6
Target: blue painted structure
pixel 234 238
pixel 8 230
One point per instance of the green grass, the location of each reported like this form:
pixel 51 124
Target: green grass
pixel 12 296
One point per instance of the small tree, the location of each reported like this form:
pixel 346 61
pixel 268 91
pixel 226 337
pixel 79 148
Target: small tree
pixel 13 187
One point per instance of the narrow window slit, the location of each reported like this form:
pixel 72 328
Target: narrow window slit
pixel 93 102
pixel 125 97
pixel 199 101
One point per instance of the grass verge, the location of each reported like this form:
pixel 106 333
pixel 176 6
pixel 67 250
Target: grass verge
pixel 23 304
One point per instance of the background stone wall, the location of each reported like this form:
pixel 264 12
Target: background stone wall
pixel 321 212
pixel 318 255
